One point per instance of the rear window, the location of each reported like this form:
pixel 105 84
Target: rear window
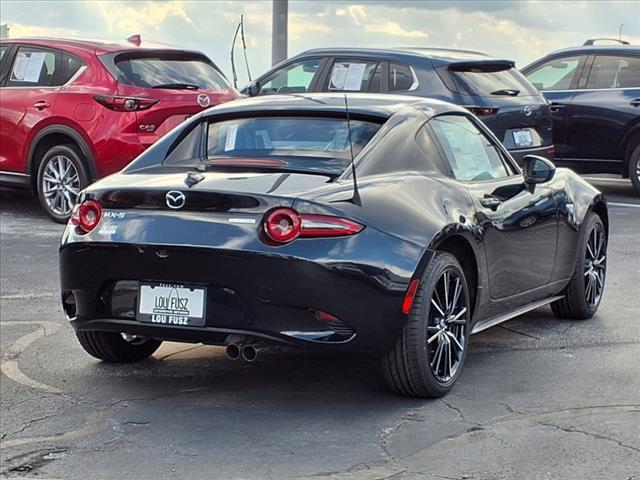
pixel 289 143
pixel 491 82
pixel 158 71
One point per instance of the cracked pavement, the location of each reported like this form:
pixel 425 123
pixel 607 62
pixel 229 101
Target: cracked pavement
pixel 539 398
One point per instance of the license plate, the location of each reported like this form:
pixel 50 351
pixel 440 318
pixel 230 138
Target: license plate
pixel 522 138
pixel 171 304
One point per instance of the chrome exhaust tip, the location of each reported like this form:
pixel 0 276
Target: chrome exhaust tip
pixel 249 353
pixel 233 351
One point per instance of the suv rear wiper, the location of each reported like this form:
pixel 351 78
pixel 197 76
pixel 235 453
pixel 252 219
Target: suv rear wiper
pixel 506 91
pixel 178 86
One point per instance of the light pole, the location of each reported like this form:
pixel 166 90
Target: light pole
pixel 620 32
pixel 279 31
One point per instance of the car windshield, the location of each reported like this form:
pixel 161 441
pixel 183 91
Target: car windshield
pixel 290 143
pixel 171 72
pixel 484 83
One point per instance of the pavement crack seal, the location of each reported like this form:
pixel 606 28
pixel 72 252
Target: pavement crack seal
pixel 513 330
pixel 9 364
pixel 590 434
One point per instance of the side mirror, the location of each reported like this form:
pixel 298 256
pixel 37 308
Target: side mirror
pixel 537 169
pixel 253 89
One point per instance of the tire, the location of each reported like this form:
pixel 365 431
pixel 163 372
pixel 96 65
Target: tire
pixel 412 367
pixel 112 346
pixel 634 169
pixel 580 301
pixel 57 194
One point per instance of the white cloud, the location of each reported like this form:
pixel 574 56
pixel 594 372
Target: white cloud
pixel 135 17
pixel 395 30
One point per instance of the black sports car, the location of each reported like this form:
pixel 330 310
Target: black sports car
pixel 250 224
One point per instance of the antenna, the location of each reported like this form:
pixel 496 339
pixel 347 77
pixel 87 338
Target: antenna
pixel 355 199
pixel 233 64
pixel 244 46
pixel 239 29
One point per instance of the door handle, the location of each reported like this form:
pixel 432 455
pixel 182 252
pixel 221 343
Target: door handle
pixel 41 105
pixel 556 107
pixel 490 201
pixel 635 102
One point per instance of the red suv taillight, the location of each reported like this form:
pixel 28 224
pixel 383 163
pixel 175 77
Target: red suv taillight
pixel 482 111
pixel 86 215
pixel 285 224
pixel 125 104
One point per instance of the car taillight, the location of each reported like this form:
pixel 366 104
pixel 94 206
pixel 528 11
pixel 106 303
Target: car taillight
pixel 285 224
pixel 125 104
pixel 482 111
pixel 86 215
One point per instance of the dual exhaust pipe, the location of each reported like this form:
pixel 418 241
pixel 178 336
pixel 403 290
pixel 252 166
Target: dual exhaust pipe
pixel 245 351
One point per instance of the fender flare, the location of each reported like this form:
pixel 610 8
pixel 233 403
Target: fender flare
pixel 70 132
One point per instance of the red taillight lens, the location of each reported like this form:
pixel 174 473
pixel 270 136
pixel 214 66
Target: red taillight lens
pixel 482 111
pixel 326 226
pixel 551 151
pixel 410 295
pixel 86 215
pixel 125 104
pixel 282 225
pixel 285 224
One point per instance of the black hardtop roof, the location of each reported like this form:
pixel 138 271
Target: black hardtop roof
pixel 382 106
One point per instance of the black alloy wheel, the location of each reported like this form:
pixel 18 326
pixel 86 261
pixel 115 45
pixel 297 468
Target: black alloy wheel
pixel 583 294
pixel 428 356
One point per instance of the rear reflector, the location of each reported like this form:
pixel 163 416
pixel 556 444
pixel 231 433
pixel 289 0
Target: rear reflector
pixel 410 295
pixel 125 104
pixel 285 224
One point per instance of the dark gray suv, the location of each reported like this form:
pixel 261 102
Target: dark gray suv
pixel 491 88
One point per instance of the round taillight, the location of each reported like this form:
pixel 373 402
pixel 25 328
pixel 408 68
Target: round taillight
pixel 87 215
pixel 282 225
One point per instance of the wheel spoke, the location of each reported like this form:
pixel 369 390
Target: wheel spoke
pixel 434 303
pixel 456 319
pixel 455 340
pixel 434 336
pixel 446 291
pixel 456 294
pixel 449 358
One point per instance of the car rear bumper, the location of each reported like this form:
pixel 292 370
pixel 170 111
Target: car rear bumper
pixel 272 297
pixel 544 151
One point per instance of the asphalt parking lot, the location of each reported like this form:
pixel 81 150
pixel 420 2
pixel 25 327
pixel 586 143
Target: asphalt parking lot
pixel 539 398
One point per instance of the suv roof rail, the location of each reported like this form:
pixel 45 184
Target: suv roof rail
pixel 592 41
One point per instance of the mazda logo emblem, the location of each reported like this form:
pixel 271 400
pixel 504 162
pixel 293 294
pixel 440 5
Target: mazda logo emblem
pixel 528 111
pixel 204 100
pixel 175 199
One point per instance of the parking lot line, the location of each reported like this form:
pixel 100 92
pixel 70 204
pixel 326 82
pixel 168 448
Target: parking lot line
pixel 616 204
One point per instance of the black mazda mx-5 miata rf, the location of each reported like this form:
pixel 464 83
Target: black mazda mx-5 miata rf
pixel 397 226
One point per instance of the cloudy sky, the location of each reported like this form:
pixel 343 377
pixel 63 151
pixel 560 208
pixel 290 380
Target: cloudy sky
pixel 521 30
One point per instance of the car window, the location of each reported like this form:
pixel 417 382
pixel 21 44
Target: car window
pixel 70 66
pixel 490 80
pixel 169 70
pixel 401 77
pixel 314 144
pixel 3 48
pixel 609 71
pixel 33 67
pixel 472 155
pixel 556 74
pixel 355 75
pixel 293 78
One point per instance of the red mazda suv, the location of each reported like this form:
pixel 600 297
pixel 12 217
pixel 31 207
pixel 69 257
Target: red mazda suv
pixel 72 111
